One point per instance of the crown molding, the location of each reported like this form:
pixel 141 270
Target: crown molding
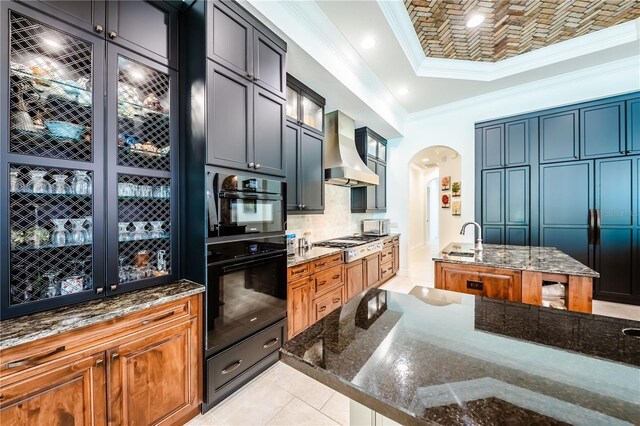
pixel 613 70
pixel 401 25
pixel 314 32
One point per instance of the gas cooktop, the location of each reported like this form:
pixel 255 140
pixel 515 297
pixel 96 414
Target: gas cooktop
pixel 356 247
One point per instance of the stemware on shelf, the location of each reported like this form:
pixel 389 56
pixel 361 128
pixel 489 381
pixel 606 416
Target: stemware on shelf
pixel 123 233
pixel 139 233
pixel 60 236
pixel 53 287
pixel 156 231
pixel 89 221
pixel 81 183
pixel 78 233
pixel 161 263
pixel 60 185
pixel 15 184
pixel 37 184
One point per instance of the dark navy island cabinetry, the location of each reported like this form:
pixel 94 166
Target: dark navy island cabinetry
pixel 579 189
pixel 373 150
pixel 304 147
pixel 71 151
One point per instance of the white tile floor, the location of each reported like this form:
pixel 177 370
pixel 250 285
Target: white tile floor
pixel 283 396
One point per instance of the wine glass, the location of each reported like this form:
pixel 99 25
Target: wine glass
pixel 78 233
pixel 156 231
pixel 16 185
pixel 37 184
pixel 60 185
pixel 139 233
pixel 60 235
pixel 53 288
pixel 123 234
pixel 89 221
pixel 81 183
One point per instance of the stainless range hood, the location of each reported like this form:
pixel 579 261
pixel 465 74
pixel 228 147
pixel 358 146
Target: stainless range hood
pixel 343 165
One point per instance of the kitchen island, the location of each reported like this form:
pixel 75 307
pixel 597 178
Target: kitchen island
pixel 515 273
pixel 435 356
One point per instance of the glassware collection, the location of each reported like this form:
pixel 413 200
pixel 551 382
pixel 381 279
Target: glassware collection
pixel 140 231
pixel 126 189
pixel 38 184
pixel 145 265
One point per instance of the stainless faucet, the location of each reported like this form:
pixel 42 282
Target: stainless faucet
pixel 478 246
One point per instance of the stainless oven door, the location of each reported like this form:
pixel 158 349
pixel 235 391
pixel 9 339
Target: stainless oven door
pixel 243 297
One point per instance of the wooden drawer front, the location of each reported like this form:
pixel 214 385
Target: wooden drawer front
pixel 327 279
pixel 387 254
pixel 327 262
pixel 229 364
pixel 298 271
pixel 388 243
pixel 328 303
pixel 386 270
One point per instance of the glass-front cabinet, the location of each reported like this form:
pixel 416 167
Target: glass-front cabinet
pixel 83 186
pixel 140 139
pixel 303 106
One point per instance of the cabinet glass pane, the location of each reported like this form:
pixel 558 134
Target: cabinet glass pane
pixel 144 227
pixel 372 146
pixel 51 92
pixel 382 151
pixel 143 116
pixel 50 217
pixel 312 113
pixel 292 103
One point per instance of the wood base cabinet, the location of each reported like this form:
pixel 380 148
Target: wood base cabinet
pixel 503 284
pixel 140 369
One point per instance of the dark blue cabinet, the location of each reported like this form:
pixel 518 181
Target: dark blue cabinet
pixel 602 132
pixel 633 126
pixel 559 136
pixel 616 242
pixel 505 205
pixel 506 145
pixel 566 200
pixel 492 146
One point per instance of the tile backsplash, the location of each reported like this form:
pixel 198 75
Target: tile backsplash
pixel 337 220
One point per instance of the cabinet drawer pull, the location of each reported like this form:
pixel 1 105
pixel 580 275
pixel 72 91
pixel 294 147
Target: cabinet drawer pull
pixel 258 166
pixel 161 317
pixel 99 362
pixel 115 355
pixel 321 264
pixel 36 358
pixel 299 272
pixel 113 34
pixel 1 397
pixel 270 343
pixel 322 309
pixel 232 367
pixel 321 283
pixel 99 28
pixel 336 300
pixel 335 277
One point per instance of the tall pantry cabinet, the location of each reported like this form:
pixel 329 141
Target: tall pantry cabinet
pixel 567 178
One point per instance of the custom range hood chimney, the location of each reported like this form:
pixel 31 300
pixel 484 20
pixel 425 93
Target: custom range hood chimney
pixel 343 165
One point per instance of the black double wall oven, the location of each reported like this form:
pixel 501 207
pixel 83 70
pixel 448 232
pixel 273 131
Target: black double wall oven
pixel 246 292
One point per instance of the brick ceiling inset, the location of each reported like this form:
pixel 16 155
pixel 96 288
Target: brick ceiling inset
pixel 511 27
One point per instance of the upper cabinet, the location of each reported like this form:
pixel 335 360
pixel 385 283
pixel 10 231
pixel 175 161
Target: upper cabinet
pixel 236 43
pixel 559 136
pixel 373 150
pixel 246 93
pixel 304 106
pixel 506 144
pixel 602 132
pixel 304 148
pixel 633 126
pixel 149 28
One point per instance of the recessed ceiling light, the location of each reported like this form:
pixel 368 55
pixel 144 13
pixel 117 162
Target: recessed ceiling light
pixel 368 42
pixel 425 159
pixel 402 91
pixel 475 20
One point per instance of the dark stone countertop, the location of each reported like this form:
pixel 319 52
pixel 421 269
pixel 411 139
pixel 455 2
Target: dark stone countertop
pixel 525 258
pixel 314 253
pixel 435 356
pixel 25 329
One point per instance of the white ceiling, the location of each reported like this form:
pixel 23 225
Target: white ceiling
pixel 324 52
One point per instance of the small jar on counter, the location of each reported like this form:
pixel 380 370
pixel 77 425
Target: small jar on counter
pixel 291 244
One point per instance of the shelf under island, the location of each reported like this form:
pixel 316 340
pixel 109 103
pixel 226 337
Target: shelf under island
pixel 440 357
pixel 515 273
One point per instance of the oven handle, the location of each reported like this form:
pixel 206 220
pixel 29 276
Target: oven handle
pixel 258 261
pixel 249 196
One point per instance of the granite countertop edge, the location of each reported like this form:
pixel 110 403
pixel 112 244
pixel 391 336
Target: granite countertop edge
pixel 348 389
pixel 515 268
pixel 132 306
